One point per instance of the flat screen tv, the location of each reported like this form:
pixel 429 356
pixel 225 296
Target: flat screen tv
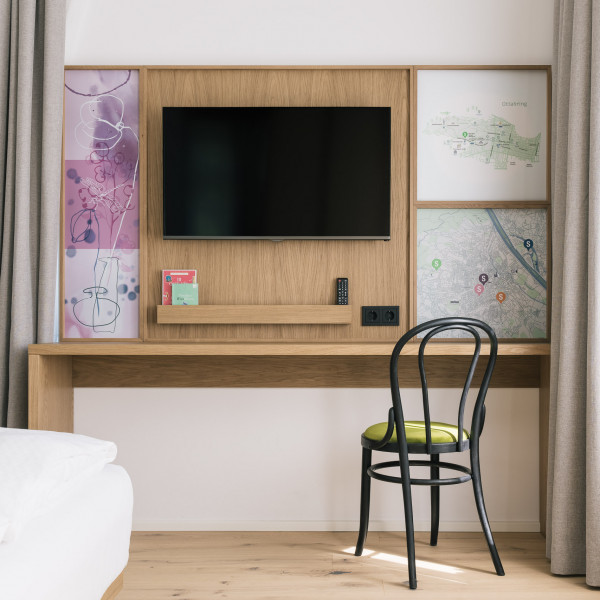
pixel 276 173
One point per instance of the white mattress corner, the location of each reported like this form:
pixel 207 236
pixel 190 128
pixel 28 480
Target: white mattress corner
pixel 75 551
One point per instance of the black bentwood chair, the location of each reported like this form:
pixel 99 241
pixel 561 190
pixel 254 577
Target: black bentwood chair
pixel 429 437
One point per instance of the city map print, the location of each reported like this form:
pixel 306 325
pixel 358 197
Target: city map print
pixel 489 264
pixel 482 135
pixel 491 140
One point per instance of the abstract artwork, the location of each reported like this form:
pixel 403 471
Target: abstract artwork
pixel 101 204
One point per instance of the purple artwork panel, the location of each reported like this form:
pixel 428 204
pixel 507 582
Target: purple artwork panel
pixel 101 203
pixel 101 294
pixel 99 214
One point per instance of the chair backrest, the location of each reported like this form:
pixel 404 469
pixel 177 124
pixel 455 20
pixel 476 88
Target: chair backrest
pixel 430 329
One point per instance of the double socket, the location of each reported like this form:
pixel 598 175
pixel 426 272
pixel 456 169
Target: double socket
pixel 380 315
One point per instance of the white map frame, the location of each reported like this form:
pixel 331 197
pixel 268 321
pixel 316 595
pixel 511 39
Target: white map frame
pixel 477 135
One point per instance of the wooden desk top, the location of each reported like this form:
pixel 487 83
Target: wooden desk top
pixel 276 349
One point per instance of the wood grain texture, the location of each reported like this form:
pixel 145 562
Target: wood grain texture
pixel 143 194
pixel 483 67
pixel 318 565
pixel 544 436
pixel 115 587
pixel 293 371
pixel 269 314
pixel 292 271
pixel 412 246
pixel 50 392
pixel 482 204
pixel 274 67
pixel 549 142
pixel 232 348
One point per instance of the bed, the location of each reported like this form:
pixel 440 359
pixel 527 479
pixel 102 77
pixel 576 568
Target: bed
pixel 77 550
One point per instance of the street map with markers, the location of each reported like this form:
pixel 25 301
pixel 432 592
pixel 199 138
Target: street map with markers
pixel 489 264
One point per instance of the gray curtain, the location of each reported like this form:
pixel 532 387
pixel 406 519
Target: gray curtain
pixel 573 526
pixel 32 40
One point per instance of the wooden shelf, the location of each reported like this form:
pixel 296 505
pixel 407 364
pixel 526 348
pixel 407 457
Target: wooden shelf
pixel 255 314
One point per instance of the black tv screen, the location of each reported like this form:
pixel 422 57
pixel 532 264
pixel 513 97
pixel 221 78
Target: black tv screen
pixel 276 173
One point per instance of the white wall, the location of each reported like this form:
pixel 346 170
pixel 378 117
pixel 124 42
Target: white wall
pixel 264 458
pixel 290 458
pixel 241 32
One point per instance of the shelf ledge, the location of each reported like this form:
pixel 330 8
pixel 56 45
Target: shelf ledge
pixel 255 314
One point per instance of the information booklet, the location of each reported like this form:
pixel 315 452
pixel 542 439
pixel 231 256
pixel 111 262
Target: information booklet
pixel 185 294
pixel 171 276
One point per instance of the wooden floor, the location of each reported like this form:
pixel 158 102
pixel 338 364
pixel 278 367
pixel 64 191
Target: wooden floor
pixel 284 565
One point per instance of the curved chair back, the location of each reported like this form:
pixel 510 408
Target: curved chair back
pixel 432 328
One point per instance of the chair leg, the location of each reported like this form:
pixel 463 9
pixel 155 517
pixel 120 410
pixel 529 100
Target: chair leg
pixel 435 501
pixel 485 524
pixel 365 500
pixel 408 519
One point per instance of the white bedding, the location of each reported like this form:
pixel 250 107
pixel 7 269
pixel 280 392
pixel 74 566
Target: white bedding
pixel 38 469
pixel 75 551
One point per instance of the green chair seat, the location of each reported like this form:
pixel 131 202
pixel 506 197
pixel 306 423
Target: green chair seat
pixel 441 433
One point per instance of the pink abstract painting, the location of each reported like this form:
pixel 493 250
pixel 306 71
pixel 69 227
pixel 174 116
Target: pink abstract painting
pixel 101 245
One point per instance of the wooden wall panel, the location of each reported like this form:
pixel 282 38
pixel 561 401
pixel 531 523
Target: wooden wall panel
pixel 544 418
pixel 50 393
pixel 293 271
pixel 292 371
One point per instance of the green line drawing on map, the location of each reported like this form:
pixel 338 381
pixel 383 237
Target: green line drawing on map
pixel 491 140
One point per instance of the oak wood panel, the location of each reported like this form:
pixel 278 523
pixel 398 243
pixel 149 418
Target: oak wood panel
pixel 274 67
pixel 292 371
pixel 255 314
pixel 233 348
pixel 316 565
pixel 292 271
pixel 482 204
pixel 412 246
pixel 50 392
pixel 115 587
pixel 143 182
pixel 544 417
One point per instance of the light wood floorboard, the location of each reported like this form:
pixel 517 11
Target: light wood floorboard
pixel 309 565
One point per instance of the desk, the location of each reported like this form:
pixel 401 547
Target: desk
pixel 56 369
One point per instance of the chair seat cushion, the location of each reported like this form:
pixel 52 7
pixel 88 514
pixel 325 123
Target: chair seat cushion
pixel 441 433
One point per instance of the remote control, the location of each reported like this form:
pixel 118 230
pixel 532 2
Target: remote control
pixel 342 290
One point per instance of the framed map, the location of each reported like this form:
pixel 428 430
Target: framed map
pixel 485 263
pixel 482 135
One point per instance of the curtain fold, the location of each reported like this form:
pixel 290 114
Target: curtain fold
pixel 31 72
pixel 573 526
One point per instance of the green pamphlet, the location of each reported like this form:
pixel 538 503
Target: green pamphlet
pixel 185 294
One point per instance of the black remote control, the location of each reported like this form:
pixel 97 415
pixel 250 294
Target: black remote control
pixel 342 290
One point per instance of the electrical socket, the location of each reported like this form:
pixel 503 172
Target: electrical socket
pixel 380 315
